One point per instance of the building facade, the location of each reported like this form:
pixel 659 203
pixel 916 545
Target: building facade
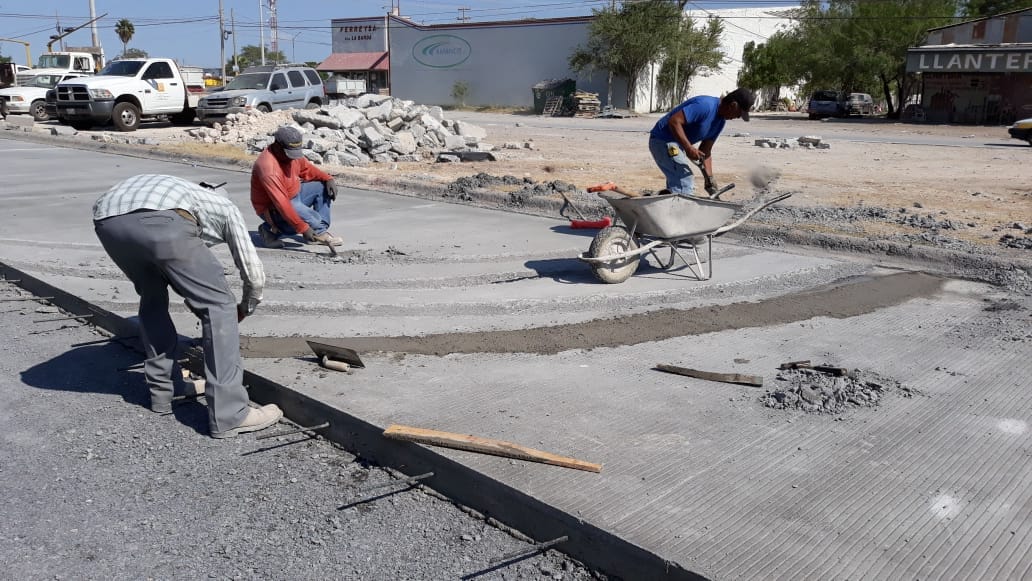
pixel 977 72
pixel 498 63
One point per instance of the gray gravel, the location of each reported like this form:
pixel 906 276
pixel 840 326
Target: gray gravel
pixel 95 486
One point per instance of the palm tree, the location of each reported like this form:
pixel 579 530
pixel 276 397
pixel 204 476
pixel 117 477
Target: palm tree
pixel 125 29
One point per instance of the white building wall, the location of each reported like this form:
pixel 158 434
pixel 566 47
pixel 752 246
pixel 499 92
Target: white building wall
pixel 500 62
pixel 741 25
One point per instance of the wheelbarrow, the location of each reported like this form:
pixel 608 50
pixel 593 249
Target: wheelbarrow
pixel 651 223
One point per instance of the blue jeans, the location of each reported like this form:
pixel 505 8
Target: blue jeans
pixel 311 205
pixel 678 171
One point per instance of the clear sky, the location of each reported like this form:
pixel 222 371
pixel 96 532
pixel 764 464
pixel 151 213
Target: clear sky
pixel 188 30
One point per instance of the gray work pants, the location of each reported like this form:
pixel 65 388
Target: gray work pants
pixel 160 249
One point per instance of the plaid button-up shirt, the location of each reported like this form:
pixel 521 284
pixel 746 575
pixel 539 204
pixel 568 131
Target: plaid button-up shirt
pixel 219 219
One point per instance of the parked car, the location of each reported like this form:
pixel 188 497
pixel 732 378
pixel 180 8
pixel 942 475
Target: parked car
pixel 30 98
pixel 860 104
pixel 1022 130
pixel 265 88
pixel 826 104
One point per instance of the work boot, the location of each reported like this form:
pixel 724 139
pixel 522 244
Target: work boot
pixel 327 238
pixel 269 240
pixel 257 419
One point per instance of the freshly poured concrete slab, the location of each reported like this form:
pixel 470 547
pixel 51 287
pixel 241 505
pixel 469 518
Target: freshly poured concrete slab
pixel 928 486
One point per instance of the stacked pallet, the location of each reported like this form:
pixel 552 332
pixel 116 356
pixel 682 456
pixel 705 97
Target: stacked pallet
pixel 586 104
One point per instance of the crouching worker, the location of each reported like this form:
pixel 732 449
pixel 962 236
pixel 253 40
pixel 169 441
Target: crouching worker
pixel 157 229
pixel 290 194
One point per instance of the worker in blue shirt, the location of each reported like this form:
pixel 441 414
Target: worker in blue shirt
pixel 698 120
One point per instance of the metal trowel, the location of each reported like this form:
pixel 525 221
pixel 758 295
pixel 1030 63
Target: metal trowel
pixel 336 353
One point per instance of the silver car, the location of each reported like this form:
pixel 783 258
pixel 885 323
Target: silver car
pixel 264 88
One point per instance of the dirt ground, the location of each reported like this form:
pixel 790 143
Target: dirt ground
pixel 970 190
pixel 977 192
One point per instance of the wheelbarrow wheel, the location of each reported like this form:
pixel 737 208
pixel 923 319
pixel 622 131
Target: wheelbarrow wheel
pixel 608 242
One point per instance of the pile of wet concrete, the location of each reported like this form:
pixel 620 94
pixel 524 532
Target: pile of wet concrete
pixel 819 392
pixel 359 131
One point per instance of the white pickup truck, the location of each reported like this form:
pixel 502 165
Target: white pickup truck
pixel 30 98
pixel 128 91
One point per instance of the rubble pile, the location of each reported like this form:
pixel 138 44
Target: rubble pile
pixel 362 130
pixel 817 392
pixel 805 142
pixel 464 187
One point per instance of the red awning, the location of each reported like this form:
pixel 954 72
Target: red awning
pixel 355 61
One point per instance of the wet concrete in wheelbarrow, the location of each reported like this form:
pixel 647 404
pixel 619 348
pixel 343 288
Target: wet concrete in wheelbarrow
pixel 846 298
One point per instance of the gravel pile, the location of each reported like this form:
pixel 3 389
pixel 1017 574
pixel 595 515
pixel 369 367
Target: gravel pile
pixel 818 392
pixel 361 130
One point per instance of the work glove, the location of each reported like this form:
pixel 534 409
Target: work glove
pixel 331 189
pixel 246 308
pixel 711 187
pixel 309 235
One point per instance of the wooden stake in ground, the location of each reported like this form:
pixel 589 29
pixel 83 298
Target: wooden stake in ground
pixel 754 380
pixel 484 446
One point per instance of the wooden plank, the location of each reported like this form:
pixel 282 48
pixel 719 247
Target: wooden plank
pixel 484 446
pixel 795 364
pixel 754 380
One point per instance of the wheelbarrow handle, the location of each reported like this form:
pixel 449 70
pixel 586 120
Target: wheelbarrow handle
pixel 740 221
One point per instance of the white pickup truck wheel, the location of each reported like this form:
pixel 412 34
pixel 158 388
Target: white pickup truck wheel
pixel 126 117
pixel 39 110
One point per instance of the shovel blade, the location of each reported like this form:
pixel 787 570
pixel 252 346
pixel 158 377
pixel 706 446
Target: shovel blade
pixel 349 356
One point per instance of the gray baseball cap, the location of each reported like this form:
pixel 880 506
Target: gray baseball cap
pixel 291 141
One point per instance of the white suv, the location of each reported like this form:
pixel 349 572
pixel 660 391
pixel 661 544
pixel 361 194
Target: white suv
pixel 264 88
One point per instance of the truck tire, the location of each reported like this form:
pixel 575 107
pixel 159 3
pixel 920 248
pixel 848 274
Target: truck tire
pixel 185 118
pixel 39 110
pixel 263 108
pixel 126 116
pixel 312 105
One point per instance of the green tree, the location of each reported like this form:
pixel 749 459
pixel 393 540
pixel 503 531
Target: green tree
pixel 980 8
pixel 125 31
pixel 135 53
pixel 858 45
pixel 625 41
pixel 251 55
pixel 768 67
pixel 691 52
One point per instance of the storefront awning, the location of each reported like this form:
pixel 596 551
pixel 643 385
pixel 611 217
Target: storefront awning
pixel 355 61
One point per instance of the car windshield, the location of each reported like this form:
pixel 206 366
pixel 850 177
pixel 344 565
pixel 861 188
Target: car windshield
pixel 249 81
pixel 825 96
pixel 54 61
pixel 123 68
pixel 44 81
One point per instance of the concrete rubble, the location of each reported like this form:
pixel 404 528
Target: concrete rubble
pixel 805 142
pixel 358 131
pixel 813 391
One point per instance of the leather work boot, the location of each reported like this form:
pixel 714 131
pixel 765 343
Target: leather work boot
pixel 269 240
pixel 257 419
pixel 327 238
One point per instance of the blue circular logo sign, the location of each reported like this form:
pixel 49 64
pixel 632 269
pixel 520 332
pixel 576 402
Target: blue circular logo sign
pixel 441 51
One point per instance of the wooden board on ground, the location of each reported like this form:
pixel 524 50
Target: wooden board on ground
pixel 485 446
pixel 754 380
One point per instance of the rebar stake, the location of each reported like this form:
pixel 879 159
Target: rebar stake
pixel 26 299
pixel 63 319
pixel 530 551
pixel 310 428
pixel 409 480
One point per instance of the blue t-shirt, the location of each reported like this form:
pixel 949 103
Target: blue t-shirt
pixel 702 121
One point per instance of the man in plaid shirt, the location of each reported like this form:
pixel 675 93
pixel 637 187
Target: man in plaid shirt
pixel 157 229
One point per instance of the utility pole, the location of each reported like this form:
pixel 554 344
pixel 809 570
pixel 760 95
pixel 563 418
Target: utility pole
pixel 261 29
pixel 462 14
pixel 222 45
pixel 273 27
pixel 232 24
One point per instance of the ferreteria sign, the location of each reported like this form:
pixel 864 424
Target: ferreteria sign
pixel 996 60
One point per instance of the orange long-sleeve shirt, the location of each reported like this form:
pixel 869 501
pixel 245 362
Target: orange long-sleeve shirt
pixel 275 183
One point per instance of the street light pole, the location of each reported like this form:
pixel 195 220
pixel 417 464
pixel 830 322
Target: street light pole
pixel 293 53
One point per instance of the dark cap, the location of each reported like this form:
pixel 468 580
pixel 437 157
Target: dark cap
pixel 290 140
pixel 745 99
